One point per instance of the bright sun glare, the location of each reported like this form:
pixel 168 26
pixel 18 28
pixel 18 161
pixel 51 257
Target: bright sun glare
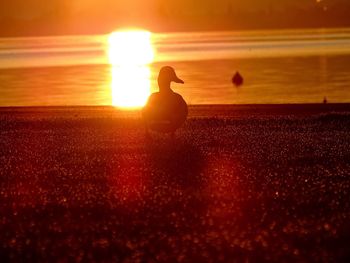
pixel 130 53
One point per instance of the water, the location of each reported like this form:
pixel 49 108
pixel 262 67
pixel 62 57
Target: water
pixel 290 66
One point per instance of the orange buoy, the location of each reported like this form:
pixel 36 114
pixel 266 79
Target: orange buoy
pixel 237 79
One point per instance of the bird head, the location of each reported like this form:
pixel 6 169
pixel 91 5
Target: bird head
pixel 166 76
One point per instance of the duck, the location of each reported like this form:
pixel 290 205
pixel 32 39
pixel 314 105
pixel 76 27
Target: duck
pixel 166 110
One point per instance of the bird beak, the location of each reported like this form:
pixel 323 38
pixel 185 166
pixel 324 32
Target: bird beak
pixel 177 80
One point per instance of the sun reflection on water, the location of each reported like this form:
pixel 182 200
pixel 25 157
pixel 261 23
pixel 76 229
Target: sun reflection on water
pixel 130 54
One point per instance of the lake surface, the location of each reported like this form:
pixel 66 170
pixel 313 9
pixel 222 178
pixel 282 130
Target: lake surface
pixel 291 66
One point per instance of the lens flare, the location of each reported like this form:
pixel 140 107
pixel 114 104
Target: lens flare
pixel 130 53
pixel 130 48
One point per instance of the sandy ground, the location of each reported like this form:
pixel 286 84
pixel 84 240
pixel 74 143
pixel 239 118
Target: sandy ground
pixel 238 183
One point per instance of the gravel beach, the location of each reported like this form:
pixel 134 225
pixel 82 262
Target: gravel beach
pixel 245 183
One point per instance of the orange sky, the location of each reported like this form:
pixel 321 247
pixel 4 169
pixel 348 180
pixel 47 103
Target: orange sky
pixel 37 17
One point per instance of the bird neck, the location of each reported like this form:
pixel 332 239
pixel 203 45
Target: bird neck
pixel 164 87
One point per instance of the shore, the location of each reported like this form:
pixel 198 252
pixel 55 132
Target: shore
pixel 238 183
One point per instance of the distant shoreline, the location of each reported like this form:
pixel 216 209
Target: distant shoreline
pixel 170 30
pixel 200 110
pixel 179 30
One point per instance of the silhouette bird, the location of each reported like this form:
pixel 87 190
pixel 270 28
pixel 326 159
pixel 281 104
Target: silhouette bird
pixel 237 79
pixel 165 110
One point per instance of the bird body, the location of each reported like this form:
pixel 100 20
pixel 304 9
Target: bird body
pixel 165 112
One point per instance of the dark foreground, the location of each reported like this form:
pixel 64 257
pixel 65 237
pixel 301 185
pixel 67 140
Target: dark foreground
pixel 241 183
